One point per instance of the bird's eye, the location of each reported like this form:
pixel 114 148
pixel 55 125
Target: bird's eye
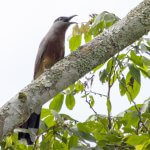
pixel 60 19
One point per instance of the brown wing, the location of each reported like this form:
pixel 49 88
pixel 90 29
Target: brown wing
pixel 41 49
pixel 48 54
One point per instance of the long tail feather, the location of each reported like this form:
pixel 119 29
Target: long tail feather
pixel 32 124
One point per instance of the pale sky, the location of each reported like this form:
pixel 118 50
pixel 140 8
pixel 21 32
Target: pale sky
pixel 23 25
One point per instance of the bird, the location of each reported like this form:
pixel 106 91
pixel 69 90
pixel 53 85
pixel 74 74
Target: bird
pixel 51 50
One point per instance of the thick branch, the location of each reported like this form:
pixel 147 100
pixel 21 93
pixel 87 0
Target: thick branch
pixel 74 66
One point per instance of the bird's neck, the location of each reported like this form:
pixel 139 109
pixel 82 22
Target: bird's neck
pixel 56 34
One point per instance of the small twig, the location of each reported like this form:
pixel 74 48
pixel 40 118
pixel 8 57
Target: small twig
pixel 108 94
pixel 72 132
pixel 35 144
pixel 101 95
pixel 38 136
pixel 135 105
pixel 90 78
pixel 89 103
pixel 139 113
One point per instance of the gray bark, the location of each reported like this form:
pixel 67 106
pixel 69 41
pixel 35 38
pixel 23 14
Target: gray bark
pixel 74 66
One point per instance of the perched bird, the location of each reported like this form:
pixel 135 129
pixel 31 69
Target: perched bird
pixel 50 51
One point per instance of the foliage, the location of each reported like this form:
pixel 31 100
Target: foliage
pixel 126 131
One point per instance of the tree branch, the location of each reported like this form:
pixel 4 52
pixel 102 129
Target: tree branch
pixel 74 66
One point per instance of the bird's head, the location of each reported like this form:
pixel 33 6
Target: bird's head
pixel 63 22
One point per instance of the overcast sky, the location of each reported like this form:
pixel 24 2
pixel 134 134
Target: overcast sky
pixel 22 26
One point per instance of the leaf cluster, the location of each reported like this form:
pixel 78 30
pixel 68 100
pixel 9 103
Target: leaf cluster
pixel 128 130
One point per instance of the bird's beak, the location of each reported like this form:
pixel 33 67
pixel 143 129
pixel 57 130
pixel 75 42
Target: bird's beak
pixel 69 18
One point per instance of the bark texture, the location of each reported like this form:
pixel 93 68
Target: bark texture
pixel 73 67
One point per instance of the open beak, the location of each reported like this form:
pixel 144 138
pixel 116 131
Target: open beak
pixel 69 18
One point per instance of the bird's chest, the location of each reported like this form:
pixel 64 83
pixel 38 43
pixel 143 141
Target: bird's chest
pixel 54 52
pixel 58 51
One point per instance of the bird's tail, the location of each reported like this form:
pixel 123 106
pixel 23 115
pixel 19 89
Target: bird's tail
pixel 31 125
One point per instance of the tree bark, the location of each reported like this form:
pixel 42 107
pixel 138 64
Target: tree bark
pixel 73 67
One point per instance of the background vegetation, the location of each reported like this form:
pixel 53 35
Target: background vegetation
pixel 125 131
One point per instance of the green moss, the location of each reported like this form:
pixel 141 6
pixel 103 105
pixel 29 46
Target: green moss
pixel 22 96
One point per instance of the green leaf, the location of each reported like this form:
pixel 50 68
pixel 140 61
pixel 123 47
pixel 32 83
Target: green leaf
pixel 75 42
pixel 121 56
pixel 132 119
pixel 146 115
pixel 113 78
pixel 146 106
pixel 84 135
pixel 82 127
pixel 97 68
pixel 71 87
pixel 9 141
pixel 145 72
pixel 44 113
pixel 85 27
pixel 44 145
pixel 21 147
pixel 146 61
pixel 103 76
pixel 59 145
pixel 87 37
pixel 79 86
pixel 135 73
pixel 92 101
pixel 111 137
pixel 49 121
pixel 110 19
pixel 132 108
pixel 99 18
pixel 144 48
pixel 76 30
pixel 148 42
pixel 137 139
pixel 110 65
pixel 57 102
pixel 103 20
pixel 73 141
pixel 67 117
pixel 136 59
pixel 97 29
pixel 70 101
pixel 122 86
pixel 133 87
pixel 146 145
pixel 65 137
pixel 109 107
pixel 105 16
pixel 43 127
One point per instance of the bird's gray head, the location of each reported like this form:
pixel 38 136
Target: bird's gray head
pixel 63 22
